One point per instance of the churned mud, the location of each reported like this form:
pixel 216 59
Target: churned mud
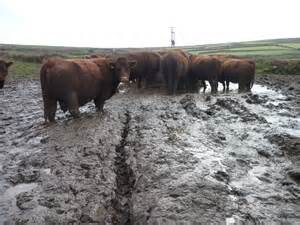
pixel 150 158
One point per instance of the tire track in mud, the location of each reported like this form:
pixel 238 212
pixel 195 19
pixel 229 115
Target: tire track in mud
pixel 125 179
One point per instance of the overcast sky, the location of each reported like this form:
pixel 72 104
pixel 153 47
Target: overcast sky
pixel 145 23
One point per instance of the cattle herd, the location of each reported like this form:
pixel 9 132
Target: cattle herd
pixel 74 82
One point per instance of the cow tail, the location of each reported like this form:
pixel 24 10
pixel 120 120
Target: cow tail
pixel 43 77
pixel 252 83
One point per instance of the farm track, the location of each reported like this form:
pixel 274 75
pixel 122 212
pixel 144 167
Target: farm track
pixel 153 159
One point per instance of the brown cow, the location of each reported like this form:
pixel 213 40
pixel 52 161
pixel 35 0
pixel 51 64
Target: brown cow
pixel 4 71
pixel 223 58
pixel 204 68
pixel 146 69
pixel 241 71
pixel 73 83
pixel 175 66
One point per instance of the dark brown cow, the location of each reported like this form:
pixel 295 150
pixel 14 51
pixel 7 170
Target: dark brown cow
pixel 146 69
pixel 175 67
pixel 241 71
pixel 222 58
pixel 4 71
pixel 204 68
pixel 73 83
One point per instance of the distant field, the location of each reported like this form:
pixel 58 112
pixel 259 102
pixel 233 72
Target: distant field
pixel 272 49
pixel 28 59
pixel 293 45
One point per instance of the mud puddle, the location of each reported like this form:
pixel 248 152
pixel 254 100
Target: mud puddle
pixel 152 159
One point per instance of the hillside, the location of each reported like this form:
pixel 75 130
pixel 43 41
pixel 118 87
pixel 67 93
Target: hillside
pixel 276 48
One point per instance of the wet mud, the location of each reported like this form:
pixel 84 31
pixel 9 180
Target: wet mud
pixel 150 158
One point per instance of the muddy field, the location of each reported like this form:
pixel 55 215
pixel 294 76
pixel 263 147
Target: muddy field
pixel 154 159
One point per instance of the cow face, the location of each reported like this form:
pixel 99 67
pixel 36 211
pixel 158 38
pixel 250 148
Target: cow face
pixel 4 71
pixel 122 68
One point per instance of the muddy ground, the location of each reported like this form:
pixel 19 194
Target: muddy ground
pixel 154 159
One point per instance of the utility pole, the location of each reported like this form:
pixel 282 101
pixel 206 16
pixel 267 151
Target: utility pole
pixel 172 37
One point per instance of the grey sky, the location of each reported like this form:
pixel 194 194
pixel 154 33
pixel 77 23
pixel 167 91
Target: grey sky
pixel 140 23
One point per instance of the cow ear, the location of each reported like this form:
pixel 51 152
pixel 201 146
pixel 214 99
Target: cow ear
pixel 8 64
pixel 111 65
pixel 132 64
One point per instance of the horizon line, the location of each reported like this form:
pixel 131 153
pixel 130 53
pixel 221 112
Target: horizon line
pixel 179 46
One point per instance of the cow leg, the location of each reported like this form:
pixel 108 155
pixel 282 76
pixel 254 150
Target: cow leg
pixel 212 86
pixel 1 84
pixel 73 104
pixel 52 111
pixel 99 103
pixel 174 86
pixel 50 106
pixel 204 85
pixel 46 107
pixel 146 82
pixel 216 84
pixel 184 84
pixel 169 84
pixel 227 85
pixel 139 82
pixel 188 86
pixel 63 106
pixel 131 78
pixel 241 87
pixel 194 85
pixel 248 87
pixel 223 83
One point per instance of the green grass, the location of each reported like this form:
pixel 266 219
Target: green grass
pixel 292 45
pixel 270 53
pixel 21 70
pixel 265 47
pixel 258 48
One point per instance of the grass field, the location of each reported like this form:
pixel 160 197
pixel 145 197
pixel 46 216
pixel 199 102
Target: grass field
pixel 272 49
pixel 28 59
pixel 21 70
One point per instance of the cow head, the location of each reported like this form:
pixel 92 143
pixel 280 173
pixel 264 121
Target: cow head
pixel 122 67
pixel 4 71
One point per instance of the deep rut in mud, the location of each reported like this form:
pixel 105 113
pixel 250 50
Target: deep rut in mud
pixel 124 178
pixel 152 158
